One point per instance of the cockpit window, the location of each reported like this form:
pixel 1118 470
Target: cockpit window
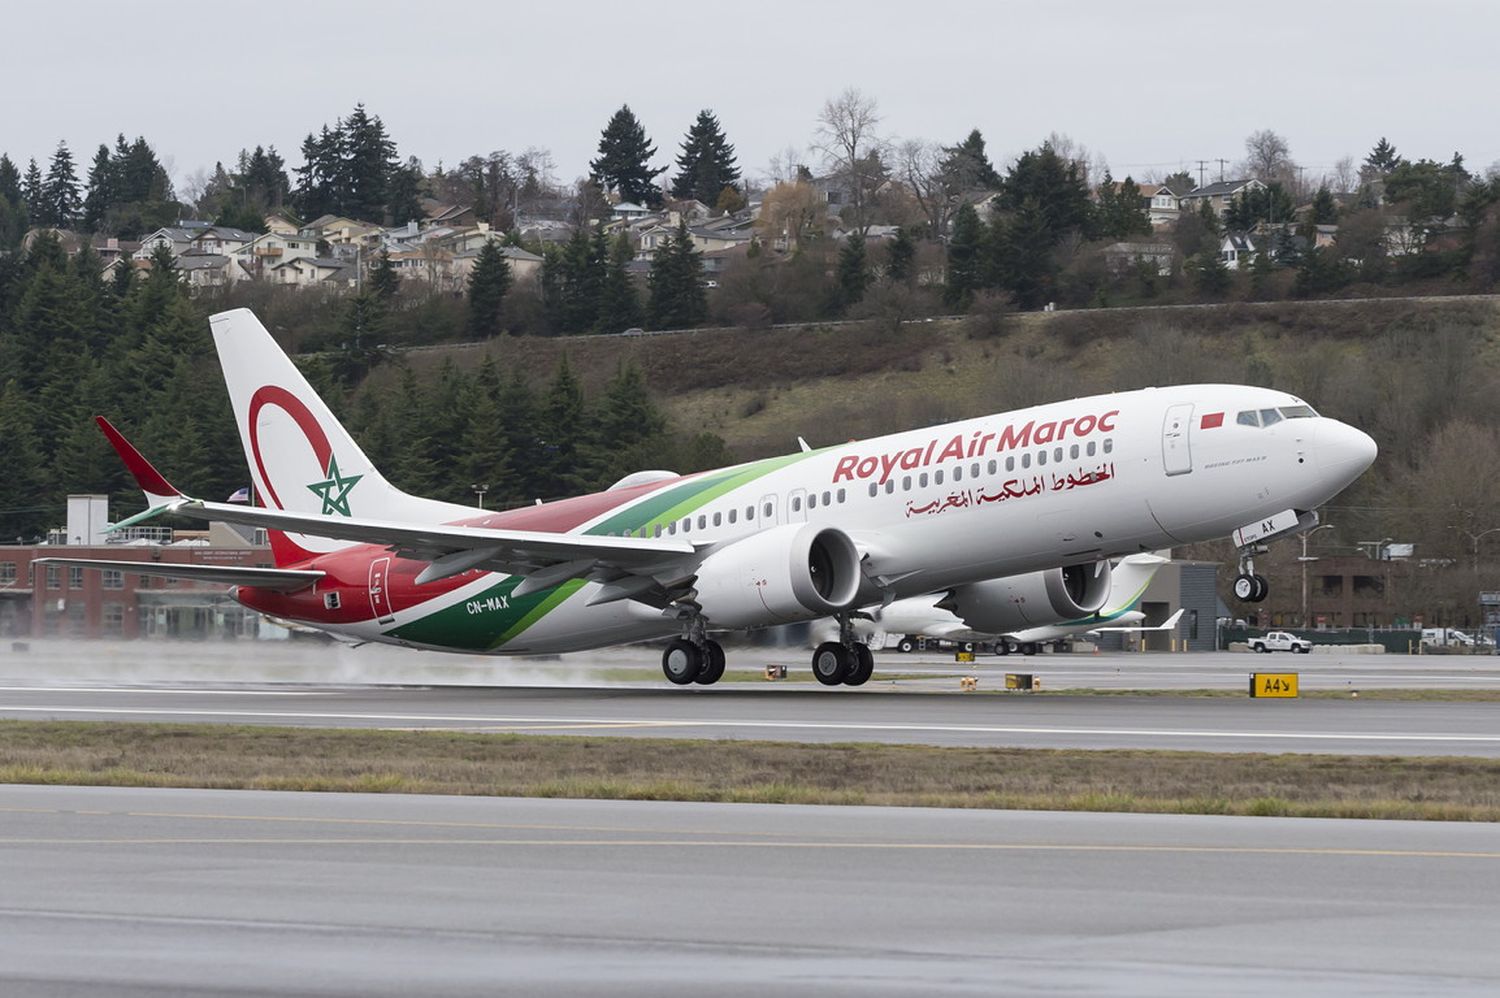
pixel 1248 418
pixel 1298 412
pixel 1269 417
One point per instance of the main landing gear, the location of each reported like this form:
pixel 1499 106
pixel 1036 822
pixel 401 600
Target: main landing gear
pixel 1248 586
pixel 845 661
pixel 694 658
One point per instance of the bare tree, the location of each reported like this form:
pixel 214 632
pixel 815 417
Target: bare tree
pixel 789 212
pixel 847 138
pixel 783 166
pixel 1345 176
pixel 922 169
pixel 1090 165
pixel 1268 158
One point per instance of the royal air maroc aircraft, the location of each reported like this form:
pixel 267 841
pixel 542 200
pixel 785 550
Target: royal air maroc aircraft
pixel 1031 619
pixel 1056 489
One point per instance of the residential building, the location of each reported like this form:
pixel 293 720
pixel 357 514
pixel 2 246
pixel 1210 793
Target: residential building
pixel 111 249
pixel 1123 256
pixel 177 238
pixel 203 270
pixel 305 271
pixel 255 259
pixel 1218 195
pixel 1162 206
pixel 1236 248
pixel 524 266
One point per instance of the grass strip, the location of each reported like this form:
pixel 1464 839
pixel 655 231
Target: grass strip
pixel 453 762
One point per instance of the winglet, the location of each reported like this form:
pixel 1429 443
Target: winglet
pixel 159 491
pixel 803 444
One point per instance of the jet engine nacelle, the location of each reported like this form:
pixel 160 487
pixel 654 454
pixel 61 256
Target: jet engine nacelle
pixel 797 571
pixel 1014 603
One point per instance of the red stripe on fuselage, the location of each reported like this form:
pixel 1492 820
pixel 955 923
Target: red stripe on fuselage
pixel 348 569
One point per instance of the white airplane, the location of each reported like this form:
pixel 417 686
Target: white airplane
pixel 1032 619
pixel 1054 489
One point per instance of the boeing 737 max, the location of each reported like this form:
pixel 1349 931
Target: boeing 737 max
pixel 1056 490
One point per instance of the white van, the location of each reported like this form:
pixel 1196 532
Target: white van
pixel 1446 637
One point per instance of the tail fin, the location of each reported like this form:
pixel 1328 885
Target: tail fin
pixel 301 458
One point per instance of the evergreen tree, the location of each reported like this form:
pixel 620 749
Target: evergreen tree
pixel 13 217
pixel 568 454
pixel 676 298
pixel 10 181
pixel 60 199
pixel 488 283
pixel 900 257
pixel 369 158
pixel 404 191
pixel 518 426
pixel 967 165
pixel 485 451
pixel 32 191
pixel 1325 210
pixel 23 513
pixel 384 281
pixel 624 163
pixel 101 190
pixel 619 305
pixel 630 425
pixel 1210 274
pixel 363 330
pixel 853 272
pixel 706 165
pixel 1024 258
pixel 964 248
pixel 320 174
pixel 1260 274
pixel 1383 159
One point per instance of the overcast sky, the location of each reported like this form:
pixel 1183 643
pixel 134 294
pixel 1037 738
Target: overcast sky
pixel 1149 86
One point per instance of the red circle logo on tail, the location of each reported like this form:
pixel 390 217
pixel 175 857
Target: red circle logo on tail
pixel 301 415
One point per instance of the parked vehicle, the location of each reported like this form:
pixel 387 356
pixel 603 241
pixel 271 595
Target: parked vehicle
pixel 1281 641
pixel 1446 637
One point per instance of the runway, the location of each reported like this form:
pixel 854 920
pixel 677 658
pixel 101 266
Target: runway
pixel 810 715
pixel 174 892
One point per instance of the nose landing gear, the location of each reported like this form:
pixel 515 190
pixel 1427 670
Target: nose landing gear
pixel 1248 586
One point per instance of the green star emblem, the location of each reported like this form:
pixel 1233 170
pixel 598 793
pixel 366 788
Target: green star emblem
pixel 335 490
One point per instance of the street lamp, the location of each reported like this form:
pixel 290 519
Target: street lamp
pixel 1304 560
pixel 479 489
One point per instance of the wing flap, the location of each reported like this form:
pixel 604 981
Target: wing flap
pixel 283 580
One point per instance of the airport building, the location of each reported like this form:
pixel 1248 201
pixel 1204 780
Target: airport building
pixel 68 601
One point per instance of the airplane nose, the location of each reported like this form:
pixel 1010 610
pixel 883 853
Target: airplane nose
pixel 1343 450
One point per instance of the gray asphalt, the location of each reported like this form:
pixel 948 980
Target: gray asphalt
pixel 176 892
pixel 811 714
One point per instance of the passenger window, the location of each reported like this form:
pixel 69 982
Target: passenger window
pixel 718 519
pixel 1269 417
pixel 702 521
pixel 905 483
pixel 1041 457
pixel 874 489
pixel 922 480
pixel 768 509
pixel 732 514
pixel 842 495
pixel 1057 454
pixel 890 486
pixel 1090 449
pixel 812 501
pixel 1010 463
pixel 658 530
pixel 687 524
pixel 1109 445
pixel 1073 452
pixel 958 473
pixel 937 477
pixel 796 504
pixel 1026 460
pixel 974 471
pixel 994 466
pixel 672 527
pixel 1248 418
pixel 827 498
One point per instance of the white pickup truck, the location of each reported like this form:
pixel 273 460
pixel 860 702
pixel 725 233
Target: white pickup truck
pixel 1281 641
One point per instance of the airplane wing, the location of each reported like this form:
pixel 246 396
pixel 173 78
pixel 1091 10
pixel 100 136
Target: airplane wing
pixel 284 580
pixel 1170 624
pixel 545 559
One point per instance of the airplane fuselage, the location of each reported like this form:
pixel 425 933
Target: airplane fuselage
pixel 1057 484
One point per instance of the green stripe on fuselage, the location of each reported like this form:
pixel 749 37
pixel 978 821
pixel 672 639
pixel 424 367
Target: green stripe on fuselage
pixel 673 503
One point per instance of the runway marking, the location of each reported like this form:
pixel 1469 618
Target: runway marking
pixel 169 689
pixel 779 844
pixel 774 725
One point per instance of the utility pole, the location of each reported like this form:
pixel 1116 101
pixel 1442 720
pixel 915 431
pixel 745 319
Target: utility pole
pixel 1304 560
pixel 1221 163
pixel 1202 163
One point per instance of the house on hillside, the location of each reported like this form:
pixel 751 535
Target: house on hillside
pixel 524 266
pixel 218 239
pixel 255 259
pixel 1237 248
pixel 1218 195
pixel 203 270
pixel 450 215
pixel 177 238
pixel 305 271
pixel 1121 257
pixel 1162 206
pixel 280 222
pixel 111 249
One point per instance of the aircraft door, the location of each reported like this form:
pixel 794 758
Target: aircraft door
pixel 1176 457
pixel 380 591
pixel 767 511
pixel 796 506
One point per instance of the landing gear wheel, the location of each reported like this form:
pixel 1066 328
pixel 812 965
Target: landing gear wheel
pixel 1002 647
pixel 682 662
pixel 906 646
pixel 831 663
pixel 1262 589
pixel 1245 588
pixel 1030 648
pixel 713 664
pixel 864 666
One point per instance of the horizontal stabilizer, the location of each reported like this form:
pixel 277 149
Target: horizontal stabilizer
pixel 1170 624
pixel 284 580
